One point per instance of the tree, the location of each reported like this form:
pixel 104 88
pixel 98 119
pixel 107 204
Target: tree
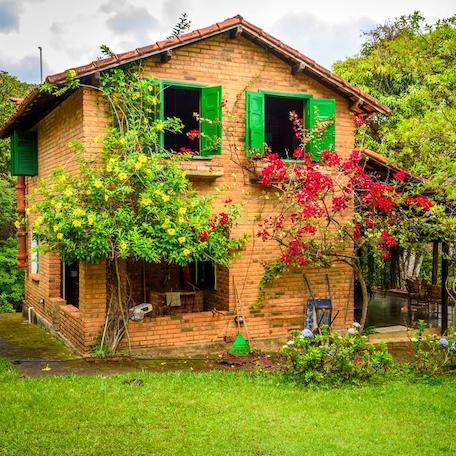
pixel 11 279
pixel 409 66
pixel 10 87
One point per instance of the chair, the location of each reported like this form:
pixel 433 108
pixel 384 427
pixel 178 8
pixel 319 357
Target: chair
pixel 417 294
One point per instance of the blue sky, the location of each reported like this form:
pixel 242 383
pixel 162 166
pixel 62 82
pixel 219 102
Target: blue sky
pixel 71 32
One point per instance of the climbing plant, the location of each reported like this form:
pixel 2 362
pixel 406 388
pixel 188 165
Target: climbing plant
pixel 132 201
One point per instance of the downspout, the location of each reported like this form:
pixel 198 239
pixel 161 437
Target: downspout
pixel 21 232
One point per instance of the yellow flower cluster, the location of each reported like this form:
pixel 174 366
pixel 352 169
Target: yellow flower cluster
pixel 77 223
pixel 145 201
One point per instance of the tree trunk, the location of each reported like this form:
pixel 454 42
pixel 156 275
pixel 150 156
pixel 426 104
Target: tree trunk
pixel 364 294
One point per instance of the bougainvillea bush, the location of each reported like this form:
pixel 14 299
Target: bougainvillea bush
pixel 432 353
pixel 328 356
pixel 327 209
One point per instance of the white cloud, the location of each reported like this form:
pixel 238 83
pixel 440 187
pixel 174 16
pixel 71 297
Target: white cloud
pixel 319 39
pixel 71 32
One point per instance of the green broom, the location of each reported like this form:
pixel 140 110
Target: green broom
pixel 241 346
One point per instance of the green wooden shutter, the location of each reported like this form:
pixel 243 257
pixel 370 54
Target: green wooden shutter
pixel 320 110
pixel 211 109
pixel 24 153
pixel 254 123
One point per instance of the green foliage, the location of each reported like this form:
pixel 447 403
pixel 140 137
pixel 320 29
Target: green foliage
pixel 11 278
pixel 139 206
pixel 409 66
pixel 330 357
pixel 433 354
pixel 222 413
pixel 7 212
pixel 10 87
pixel 183 25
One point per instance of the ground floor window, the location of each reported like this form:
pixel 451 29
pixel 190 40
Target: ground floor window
pixel 70 283
pixel 34 255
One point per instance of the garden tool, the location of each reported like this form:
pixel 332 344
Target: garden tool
pixel 241 346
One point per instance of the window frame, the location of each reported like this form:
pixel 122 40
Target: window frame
pixel 165 83
pixel 306 97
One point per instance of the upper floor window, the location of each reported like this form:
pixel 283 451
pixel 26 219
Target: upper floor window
pixel 268 122
pixel 200 110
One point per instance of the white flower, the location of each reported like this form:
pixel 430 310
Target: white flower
pixel 290 342
pixel 356 325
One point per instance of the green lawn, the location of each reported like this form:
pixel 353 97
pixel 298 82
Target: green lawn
pixel 222 413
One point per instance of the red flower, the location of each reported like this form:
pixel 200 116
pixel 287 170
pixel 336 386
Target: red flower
pixel 224 218
pixel 193 134
pixel 356 231
pixel 298 153
pixel 359 120
pixel 420 201
pixel 339 203
pixel 185 150
pixel 387 240
pixel 332 159
pixel 204 236
pixel 400 176
pixel 385 255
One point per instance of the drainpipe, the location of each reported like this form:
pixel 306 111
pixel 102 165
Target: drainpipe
pixel 21 233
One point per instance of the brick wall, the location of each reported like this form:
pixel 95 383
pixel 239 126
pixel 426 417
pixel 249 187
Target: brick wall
pixel 237 65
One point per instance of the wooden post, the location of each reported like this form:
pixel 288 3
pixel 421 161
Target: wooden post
pixel 435 262
pixel 445 252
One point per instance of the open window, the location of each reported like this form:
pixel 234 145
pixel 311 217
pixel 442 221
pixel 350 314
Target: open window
pixel 278 129
pixel 70 283
pixel 268 122
pixel 190 103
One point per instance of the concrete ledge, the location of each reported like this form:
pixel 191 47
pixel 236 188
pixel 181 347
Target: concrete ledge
pixel 269 344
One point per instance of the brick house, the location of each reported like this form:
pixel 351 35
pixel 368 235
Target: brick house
pixel 261 81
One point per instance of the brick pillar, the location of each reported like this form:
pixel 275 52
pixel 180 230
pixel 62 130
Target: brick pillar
pixel 92 299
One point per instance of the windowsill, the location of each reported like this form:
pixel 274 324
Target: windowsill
pixel 35 277
pixel 202 168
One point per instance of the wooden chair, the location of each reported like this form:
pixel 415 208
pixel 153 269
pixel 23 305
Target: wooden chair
pixel 417 294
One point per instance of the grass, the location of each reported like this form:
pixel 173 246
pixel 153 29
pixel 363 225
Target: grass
pixel 221 413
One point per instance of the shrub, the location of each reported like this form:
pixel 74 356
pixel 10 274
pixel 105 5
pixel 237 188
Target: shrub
pixel 333 357
pixel 433 353
pixel 11 278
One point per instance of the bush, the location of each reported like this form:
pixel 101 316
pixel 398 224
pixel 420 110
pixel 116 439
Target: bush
pixel 432 353
pixel 334 358
pixel 11 278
